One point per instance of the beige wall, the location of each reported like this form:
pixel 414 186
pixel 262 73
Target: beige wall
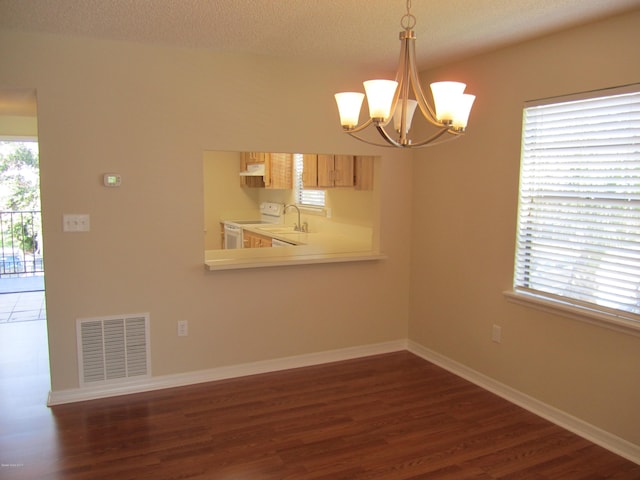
pixel 149 113
pixel 464 220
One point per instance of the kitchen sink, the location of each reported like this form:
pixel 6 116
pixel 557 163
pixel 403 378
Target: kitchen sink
pixel 279 229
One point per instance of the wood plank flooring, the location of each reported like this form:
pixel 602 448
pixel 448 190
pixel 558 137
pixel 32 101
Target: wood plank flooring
pixel 392 417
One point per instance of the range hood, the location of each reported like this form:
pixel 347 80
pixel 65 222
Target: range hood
pixel 253 170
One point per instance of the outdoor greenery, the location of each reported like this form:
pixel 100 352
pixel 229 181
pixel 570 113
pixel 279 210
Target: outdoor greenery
pixel 20 225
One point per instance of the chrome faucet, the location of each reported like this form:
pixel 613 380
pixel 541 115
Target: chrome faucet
pixel 298 226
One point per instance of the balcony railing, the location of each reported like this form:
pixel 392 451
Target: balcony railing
pixel 20 243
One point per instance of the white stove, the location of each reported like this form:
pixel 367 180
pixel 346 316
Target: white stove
pixel 270 214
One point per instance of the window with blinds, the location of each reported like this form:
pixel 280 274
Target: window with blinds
pixel 311 198
pixel 578 237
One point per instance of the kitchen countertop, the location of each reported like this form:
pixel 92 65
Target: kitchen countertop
pixel 310 248
pixel 324 239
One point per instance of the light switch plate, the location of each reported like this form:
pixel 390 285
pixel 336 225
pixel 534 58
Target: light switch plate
pixel 496 333
pixel 75 223
pixel 183 328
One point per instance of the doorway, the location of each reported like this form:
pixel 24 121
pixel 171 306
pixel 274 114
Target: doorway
pixel 21 262
pixel 24 355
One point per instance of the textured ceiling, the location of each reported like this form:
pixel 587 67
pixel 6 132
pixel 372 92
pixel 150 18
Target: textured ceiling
pixel 358 32
pixel 354 31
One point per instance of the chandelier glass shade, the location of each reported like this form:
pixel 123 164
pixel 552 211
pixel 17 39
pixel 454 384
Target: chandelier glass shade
pixel 389 100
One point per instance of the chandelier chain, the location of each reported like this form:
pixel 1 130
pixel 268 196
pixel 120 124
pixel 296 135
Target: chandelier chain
pixel 408 21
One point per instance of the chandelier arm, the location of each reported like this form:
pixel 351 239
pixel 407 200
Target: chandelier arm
pixel 357 137
pixel 433 144
pixel 387 137
pixel 402 60
pixel 400 78
pixel 425 108
pixel 430 141
pixel 358 128
pixel 403 87
pixel 441 141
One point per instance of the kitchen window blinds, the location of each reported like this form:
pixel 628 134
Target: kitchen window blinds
pixel 307 197
pixel 578 237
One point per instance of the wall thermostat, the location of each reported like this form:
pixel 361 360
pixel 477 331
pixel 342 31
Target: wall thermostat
pixel 112 180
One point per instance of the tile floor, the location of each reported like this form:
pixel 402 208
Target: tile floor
pixel 24 356
pixel 22 307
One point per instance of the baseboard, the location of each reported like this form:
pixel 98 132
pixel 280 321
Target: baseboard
pixel 594 434
pixel 60 397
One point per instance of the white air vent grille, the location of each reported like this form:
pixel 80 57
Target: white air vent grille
pixel 113 348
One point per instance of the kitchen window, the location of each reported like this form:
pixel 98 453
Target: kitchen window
pixel 578 236
pixel 305 197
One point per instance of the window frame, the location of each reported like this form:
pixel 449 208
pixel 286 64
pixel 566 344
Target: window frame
pixel 617 319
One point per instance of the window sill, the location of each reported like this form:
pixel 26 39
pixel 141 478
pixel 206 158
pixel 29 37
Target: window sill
pixel 601 318
pixel 312 210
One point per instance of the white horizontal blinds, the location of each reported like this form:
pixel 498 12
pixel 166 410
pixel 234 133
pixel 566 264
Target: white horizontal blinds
pixel 314 198
pixel 579 213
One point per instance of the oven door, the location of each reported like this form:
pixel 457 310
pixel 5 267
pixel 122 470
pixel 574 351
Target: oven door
pixel 232 236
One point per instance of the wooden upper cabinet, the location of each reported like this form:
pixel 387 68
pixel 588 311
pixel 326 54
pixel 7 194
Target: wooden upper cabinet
pixel 254 157
pixel 319 171
pixel 278 170
pixel 325 171
pixel 335 171
pixel 309 170
pixel 247 158
pixel 363 166
pixel 343 170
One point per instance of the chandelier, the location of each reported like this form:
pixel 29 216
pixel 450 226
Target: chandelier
pixel 389 101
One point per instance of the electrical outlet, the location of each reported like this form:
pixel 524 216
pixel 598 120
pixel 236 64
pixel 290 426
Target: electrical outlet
pixel 496 333
pixel 183 328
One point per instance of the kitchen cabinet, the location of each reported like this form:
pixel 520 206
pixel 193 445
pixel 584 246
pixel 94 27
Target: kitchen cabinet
pixel 335 171
pixel 254 157
pixel 250 158
pixel 363 172
pixel 326 171
pixel 255 240
pixel 309 170
pixel 278 170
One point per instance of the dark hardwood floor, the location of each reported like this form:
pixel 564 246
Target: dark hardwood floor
pixel 387 417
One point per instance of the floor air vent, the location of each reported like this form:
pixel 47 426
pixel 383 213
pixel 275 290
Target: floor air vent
pixel 112 349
